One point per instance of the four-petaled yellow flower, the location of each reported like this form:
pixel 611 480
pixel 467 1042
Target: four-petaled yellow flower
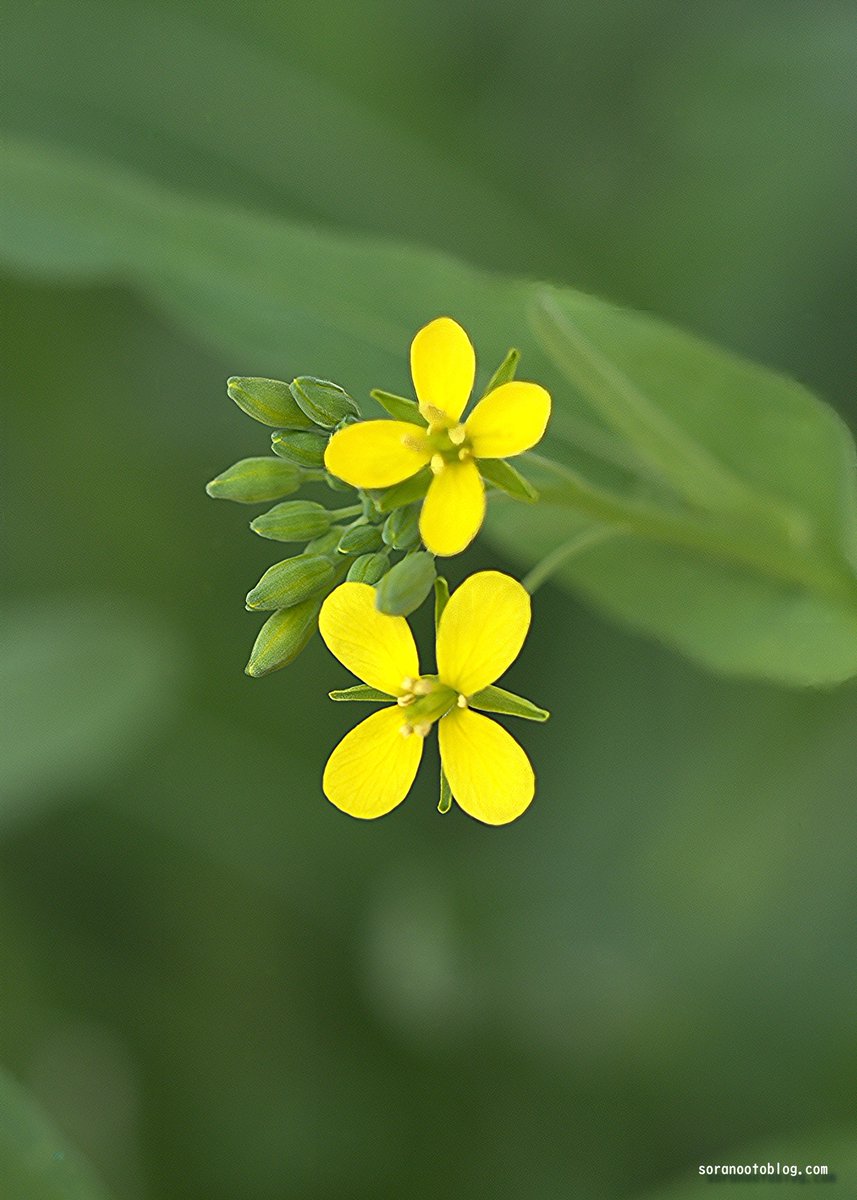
pixel 480 633
pixel 378 454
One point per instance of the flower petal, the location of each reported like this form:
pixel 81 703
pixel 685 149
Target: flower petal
pixel 376 648
pixel 443 366
pixel 377 454
pixel 488 772
pixel 509 420
pixel 373 767
pixel 481 631
pixel 454 509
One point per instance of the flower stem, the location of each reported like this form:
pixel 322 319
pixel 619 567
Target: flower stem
pixel 557 558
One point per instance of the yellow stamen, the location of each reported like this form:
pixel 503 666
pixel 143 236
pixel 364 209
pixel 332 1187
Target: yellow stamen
pixel 437 464
pixel 423 729
pixel 463 454
pixel 407 684
pixel 406 730
pixel 423 687
pixel 404 701
pixel 457 435
pixel 461 701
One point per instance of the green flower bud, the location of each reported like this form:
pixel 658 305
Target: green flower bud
pixel 361 539
pixel 323 402
pixel 267 400
pixel 301 447
pixel 294 521
pixel 255 481
pixel 405 585
pixel 291 582
pixel 282 637
pixel 402 528
pixel 327 544
pixel 368 568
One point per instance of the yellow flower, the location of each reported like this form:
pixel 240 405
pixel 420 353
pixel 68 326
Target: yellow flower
pixel 378 454
pixel 480 633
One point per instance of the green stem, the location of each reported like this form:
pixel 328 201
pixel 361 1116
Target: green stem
pixel 557 558
pixel 727 543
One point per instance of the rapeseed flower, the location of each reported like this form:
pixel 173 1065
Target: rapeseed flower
pixel 379 454
pixel 480 632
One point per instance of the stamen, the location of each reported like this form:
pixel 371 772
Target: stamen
pixel 463 454
pixel 404 701
pixel 411 443
pixel 423 729
pixel 406 730
pixel 437 464
pixel 407 684
pixel 457 435
pixel 424 687
pixel 461 701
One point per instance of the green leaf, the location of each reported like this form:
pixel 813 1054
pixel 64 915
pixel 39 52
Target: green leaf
pixel 268 401
pixel 497 700
pixel 360 691
pixel 36 1161
pixel 733 488
pixel 505 373
pixel 255 481
pixel 504 476
pixel 406 585
pixel 399 407
pixel 283 636
pixel 291 582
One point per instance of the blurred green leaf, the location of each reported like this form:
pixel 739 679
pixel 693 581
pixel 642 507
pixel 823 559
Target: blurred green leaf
pixel 36 1162
pixel 735 487
pixel 85 682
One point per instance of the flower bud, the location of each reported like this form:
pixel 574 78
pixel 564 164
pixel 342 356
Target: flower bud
pixel 301 447
pixel 368 568
pixel 291 582
pixel 327 544
pixel 405 585
pixel 267 400
pixel 282 637
pixel 255 480
pixel 402 528
pixel 323 402
pixel 293 521
pixel 361 539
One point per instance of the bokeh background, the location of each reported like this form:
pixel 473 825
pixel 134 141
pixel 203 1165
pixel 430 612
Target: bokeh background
pixel 215 984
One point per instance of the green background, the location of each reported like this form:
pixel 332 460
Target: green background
pixel 214 983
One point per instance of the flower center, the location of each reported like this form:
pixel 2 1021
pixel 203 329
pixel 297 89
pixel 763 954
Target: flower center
pixel 450 444
pixel 425 701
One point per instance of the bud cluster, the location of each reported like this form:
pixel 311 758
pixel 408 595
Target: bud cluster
pixel 374 538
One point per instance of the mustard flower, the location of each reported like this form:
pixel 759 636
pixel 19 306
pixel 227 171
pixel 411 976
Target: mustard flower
pixel 378 454
pixel 480 633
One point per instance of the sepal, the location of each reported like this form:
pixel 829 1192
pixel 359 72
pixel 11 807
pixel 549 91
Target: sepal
pixel 504 476
pixel 495 699
pixel 361 691
pixel 399 407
